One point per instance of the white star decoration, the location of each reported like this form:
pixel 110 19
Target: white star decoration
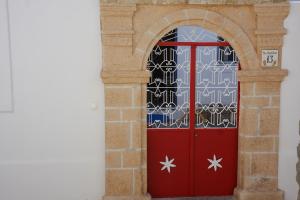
pixel 167 164
pixel 215 163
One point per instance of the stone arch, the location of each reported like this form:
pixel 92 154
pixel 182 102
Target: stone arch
pixel 125 78
pixel 210 20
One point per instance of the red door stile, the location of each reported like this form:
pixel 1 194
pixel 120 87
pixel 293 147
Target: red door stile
pixel 238 101
pixel 192 117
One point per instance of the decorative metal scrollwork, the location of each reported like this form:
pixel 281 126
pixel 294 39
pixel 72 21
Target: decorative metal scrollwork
pixel 168 91
pixel 216 87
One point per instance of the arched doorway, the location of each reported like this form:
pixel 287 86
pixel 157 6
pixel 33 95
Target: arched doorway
pixel 192 115
pixel 129 35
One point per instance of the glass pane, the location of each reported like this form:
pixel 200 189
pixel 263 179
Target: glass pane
pixel 216 87
pixel 168 91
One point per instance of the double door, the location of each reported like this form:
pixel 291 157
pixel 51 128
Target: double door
pixel 192 111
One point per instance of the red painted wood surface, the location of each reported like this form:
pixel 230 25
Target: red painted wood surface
pixel 176 144
pixel 223 144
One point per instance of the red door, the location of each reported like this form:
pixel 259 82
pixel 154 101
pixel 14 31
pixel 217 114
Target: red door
pixel 192 105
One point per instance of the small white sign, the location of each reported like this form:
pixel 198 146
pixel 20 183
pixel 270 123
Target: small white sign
pixel 269 58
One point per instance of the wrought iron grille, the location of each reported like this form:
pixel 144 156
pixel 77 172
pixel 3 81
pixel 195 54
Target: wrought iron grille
pixel 168 90
pixel 216 86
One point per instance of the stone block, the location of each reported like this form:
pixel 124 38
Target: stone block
pixel 116 40
pixel 158 26
pixel 112 115
pixel 131 158
pixel 264 40
pixel 137 96
pixel 255 101
pixel 144 95
pixel 229 26
pixel 196 14
pixel 215 18
pixel 118 182
pixel 144 178
pixel 246 89
pixel 176 17
pixel 116 24
pixel 256 144
pixel 145 196
pixel 265 79
pixel 244 166
pixel 267 88
pixel 130 77
pixel 275 101
pixel 144 114
pixel 269 121
pixel 144 157
pixel 116 135
pixel 254 195
pixel 264 164
pixel 270 23
pixel 138 184
pixel 144 135
pixel 117 58
pixel 136 135
pixel 117 97
pixel 260 184
pixel 248 122
pixel 113 159
pixel 132 114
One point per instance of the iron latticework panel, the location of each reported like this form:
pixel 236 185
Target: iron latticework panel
pixel 168 91
pixel 216 87
pixel 215 84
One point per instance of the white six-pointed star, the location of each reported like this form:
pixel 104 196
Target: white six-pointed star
pixel 215 163
pixel 167 164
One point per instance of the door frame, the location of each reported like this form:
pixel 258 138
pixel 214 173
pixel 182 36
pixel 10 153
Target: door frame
pixel 129 34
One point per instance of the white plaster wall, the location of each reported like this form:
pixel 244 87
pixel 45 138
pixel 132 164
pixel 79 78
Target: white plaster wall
pixel 52 143
pixel 6 100
pixel 290 106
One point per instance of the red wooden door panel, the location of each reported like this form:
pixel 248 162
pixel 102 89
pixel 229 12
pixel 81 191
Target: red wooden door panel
pixel 215 178
pixel 173 144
